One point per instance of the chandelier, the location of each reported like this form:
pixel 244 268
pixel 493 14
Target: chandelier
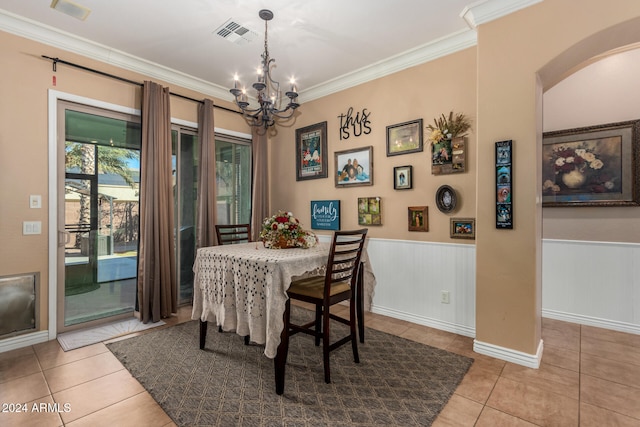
pixel 269 97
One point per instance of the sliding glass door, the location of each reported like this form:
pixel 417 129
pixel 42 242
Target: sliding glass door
pixel 99 204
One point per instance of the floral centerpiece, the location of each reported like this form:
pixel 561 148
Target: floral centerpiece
pixel 283 230
pixel 573 163
pixel 448 127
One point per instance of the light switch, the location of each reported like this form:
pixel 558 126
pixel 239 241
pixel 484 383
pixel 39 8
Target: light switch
pixel 35 201
pixel 31 227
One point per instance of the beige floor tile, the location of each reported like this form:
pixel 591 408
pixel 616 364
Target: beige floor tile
pixel 18 363
pixel 562 338
pixel 611 370
pixel 39 413
pixel 611 336
pixel 98 394
pixel 429 336
pixel 459 412
pixel 81 371
pixel 493 418
pixel 50 354
pixel 610 350
pixel 477 384
pixel 560 325
pixel 547 377
pixel 139 410
pixel 533 404
pixel 24 389
pixel 561 357
pixel 388 327
pixel 592 416
pixel 610 395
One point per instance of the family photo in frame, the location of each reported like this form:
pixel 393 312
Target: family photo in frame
pixel 402 177
pixel 354 167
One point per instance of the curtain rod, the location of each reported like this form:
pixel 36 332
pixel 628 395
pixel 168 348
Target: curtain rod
pixel 55 62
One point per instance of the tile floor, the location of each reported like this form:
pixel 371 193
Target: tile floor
pixel 588 377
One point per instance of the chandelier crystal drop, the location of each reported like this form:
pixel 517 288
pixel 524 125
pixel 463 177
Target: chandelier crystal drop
pixel 269 97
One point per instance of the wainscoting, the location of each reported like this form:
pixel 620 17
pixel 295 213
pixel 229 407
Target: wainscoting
pixel 590 283
pixel 411 275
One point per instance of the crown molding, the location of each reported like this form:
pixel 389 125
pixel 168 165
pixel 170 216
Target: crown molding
pixel 36 31
pixel 416 56
pixel 484 11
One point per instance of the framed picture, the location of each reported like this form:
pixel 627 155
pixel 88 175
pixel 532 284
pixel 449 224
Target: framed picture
pixel 418 218
pixel 325 214
pixel 446 199
pixel 311 152
pixel 403 177
pixel 448 156
pixel 592 166
pixel 354 167
pixel 463 228
pixel 369 212
pixel 504 185
pixel 404 138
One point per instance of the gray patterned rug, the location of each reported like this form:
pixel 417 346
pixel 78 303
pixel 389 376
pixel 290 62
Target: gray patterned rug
pixel 397 382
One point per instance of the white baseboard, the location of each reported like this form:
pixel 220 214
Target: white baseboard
pixel 23 341
pixel 513 356
pixel 629 328
pixel 426 321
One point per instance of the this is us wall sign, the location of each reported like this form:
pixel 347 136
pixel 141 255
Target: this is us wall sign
pixel 356 125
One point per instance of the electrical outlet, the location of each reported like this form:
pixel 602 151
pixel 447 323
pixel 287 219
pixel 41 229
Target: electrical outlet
pixel 444 297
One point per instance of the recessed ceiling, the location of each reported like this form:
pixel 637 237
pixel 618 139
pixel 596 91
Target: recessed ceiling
pixel 327 45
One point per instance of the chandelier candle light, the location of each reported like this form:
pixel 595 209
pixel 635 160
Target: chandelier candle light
pixel 268 90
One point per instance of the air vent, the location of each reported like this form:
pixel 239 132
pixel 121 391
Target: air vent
pixel 235 32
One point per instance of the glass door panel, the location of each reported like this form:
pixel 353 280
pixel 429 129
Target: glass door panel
pixel 101 193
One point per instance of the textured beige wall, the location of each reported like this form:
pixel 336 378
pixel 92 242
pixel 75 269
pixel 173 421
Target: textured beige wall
pixel 547 37
pixel 425 92
pixel 26 78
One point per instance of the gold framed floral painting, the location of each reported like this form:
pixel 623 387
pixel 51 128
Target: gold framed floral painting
pixel 592 166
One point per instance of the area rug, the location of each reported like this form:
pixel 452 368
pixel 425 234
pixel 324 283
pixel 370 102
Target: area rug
pixel 83 337
pixel 397 382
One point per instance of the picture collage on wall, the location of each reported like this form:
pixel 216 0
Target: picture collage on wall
pixel 369 212
pixel 504 185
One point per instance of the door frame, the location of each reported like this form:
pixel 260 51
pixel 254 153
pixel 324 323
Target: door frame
pixel 55 169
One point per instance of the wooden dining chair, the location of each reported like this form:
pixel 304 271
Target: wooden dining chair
pixel 228 234
pixel 336 285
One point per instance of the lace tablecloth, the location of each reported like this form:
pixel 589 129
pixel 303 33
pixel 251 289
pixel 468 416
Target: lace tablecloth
pixel 243 287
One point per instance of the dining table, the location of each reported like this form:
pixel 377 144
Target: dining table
pixel 243 288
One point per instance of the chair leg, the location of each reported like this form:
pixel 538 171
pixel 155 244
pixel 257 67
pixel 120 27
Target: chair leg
pixel 219 328
pixel 318 324
pixel 360 301
pixel 325 344
pixel 203 333
pixel 283 349
pixel 246 339
pixel 352 328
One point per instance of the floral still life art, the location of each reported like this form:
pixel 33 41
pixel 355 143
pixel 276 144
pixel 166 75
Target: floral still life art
pixel 447 143
pixel 283 230
pixel 581 165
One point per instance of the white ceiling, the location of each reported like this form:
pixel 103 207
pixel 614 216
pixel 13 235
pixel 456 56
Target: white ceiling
pixel 327 45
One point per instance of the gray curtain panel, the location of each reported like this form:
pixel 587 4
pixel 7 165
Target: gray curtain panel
pixel 157 290
pixel 207 206
pixel 260 193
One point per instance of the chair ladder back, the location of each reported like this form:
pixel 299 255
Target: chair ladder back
pixel 344 258
pixel 233 233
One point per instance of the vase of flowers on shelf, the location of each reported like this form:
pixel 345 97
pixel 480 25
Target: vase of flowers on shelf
pixel 283 230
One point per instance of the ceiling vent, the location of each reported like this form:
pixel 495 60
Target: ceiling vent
pixel 235 32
